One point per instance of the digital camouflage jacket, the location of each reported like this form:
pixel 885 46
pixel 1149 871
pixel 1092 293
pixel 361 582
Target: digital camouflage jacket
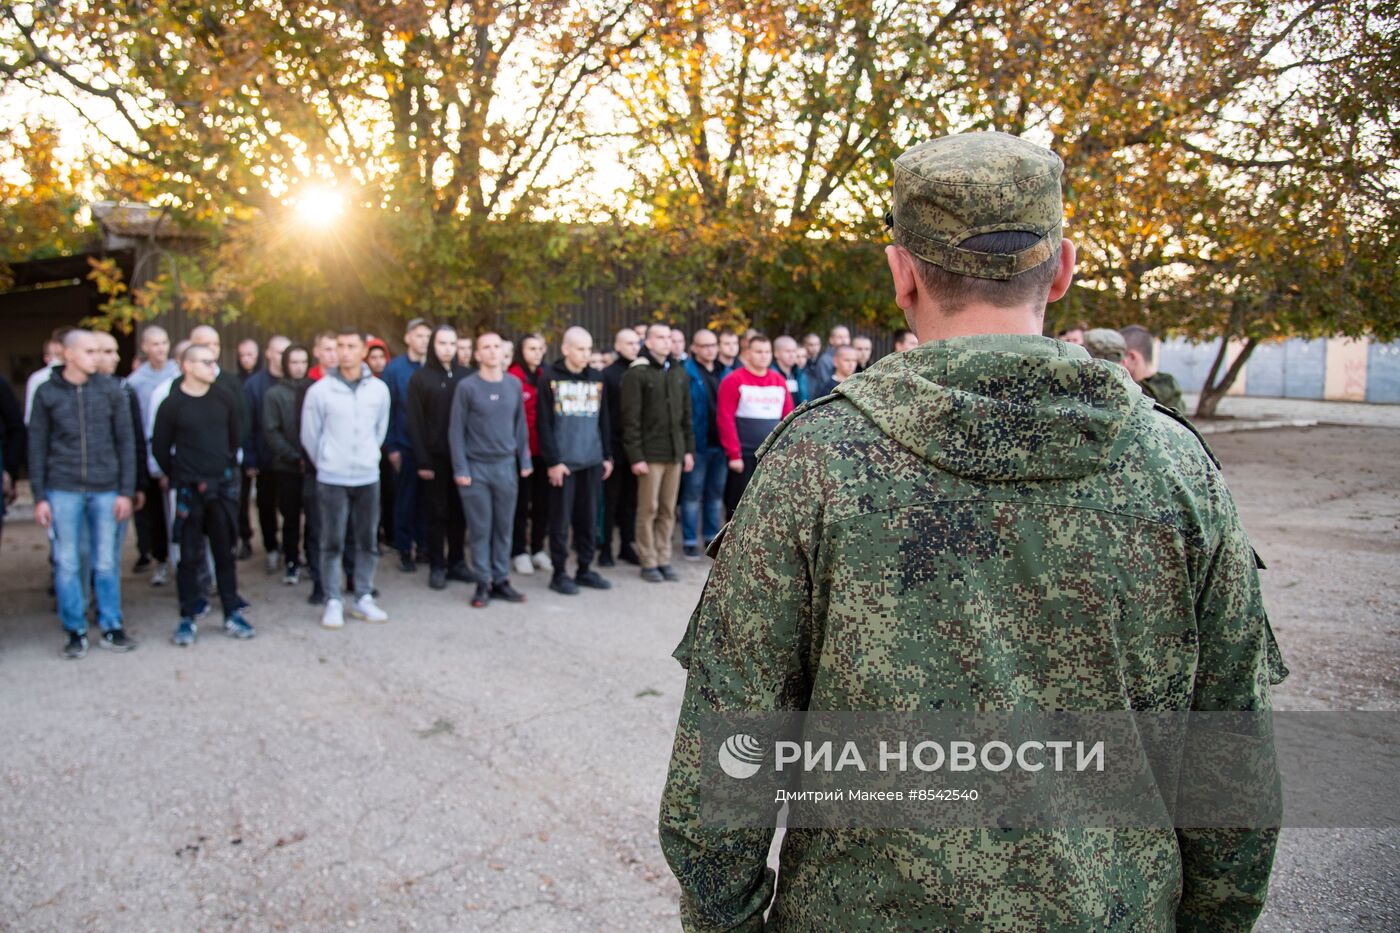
pixel 989 523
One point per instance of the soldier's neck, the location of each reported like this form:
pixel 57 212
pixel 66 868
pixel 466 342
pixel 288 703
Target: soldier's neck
pixel 932 323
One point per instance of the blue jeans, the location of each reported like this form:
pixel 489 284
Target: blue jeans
pixel 85 533
pixel 410 521
pixel 705 482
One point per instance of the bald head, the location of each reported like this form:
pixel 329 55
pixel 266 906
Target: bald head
pixel 577 348
pixel 206 336
pixel 155 345
pixel 276 346
pixel 80 355
pixel 108 354
pixel 627 343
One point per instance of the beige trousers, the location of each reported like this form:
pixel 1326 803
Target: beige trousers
pixel 656 512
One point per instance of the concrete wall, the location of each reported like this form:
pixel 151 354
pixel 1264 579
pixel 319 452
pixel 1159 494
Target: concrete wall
pixel 1338 369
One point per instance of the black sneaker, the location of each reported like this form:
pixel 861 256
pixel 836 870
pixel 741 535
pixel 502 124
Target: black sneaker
pixel 592 580
pixel 692 551
pixel 437 578
pixel 652 575
pixel 562 584
pixel 406 563
pixel 606 559
pixel 461 573
pixel 245 550
pixel 317 597
pixel 293 575
pixel 481 597
pixel 76 647
pixel 504 590
pixel 116 640
pixel 143 562
pixel 628 553
pixel 668 574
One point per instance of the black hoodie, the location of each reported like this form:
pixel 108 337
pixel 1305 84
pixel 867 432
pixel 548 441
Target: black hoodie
pixel 572 418
pixel 430 391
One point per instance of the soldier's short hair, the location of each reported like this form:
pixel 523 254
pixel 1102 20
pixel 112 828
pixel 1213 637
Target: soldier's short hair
pixel 1139 338
pixel 953 291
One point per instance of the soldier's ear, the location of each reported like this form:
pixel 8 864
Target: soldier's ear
pixel 1064 275
pixel 905 276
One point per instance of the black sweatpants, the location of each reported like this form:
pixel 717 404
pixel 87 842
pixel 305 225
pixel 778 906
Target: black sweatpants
pixel 289 502
pixel 736 483
pixel 445 519
pixel 574 504
pixel 620 506
pixel 532 508
pixel 152 535
pixel 199 514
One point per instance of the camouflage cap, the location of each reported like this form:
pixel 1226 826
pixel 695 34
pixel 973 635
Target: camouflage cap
pixel 949 189
pixel 1104 343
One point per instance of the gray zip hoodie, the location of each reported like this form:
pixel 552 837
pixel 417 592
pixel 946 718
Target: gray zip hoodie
pixel 342 427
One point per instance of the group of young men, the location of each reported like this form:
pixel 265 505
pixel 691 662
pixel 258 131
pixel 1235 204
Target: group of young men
pixel 458 461
pixel 1133 348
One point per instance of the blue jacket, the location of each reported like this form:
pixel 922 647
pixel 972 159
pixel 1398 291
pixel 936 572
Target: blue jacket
pixel 396 376
pixel 798 376
pixel 255 452
pixel 702 413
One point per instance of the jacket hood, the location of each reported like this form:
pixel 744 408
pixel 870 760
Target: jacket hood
pixel 561 370
pixel 297 384
pixel 364 374
pixel 1001 407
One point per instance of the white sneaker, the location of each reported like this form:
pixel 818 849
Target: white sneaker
pixel 522 565
pixel 274 562
pixel 364 608
pixel 542 562
pixel 333 616
pixel 161 575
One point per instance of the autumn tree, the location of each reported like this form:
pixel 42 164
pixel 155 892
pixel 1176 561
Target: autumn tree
pixel 441 125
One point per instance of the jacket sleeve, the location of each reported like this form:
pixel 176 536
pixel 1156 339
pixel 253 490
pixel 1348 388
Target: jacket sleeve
pixel 748 648
pixel 234 435
pixel 1225 872
pixel 275 432
pixel 39 448
pixel 544 423
pixel 124 434
pixel 163 433
pixel 688 422
pixel 138 436
pixel 311 424
pixel 788 406
pixel 457 431
pixel 632 416
pixel 604 420
pixel 250 449
pixel 418 421
pixel 12 415
pixel 381 419
pixel 522 435
pixel 726 405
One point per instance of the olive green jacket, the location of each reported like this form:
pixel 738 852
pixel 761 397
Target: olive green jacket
pixel 656 411
pixel 990 523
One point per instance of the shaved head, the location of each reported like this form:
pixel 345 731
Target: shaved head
pixel 577 336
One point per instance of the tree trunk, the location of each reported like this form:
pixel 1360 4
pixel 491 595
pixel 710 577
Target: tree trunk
pixel 1213 391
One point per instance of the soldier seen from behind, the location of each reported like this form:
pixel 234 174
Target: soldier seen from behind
pixel 990 521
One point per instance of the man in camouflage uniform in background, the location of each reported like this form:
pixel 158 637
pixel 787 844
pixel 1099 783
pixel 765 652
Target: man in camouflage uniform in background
pixel 991 521
pixel 1140 359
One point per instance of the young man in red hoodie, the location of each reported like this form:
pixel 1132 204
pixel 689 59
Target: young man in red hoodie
pixel 527 549
pixel 752 400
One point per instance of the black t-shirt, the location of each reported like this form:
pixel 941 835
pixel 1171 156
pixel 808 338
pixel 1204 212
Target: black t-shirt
pixel 195 438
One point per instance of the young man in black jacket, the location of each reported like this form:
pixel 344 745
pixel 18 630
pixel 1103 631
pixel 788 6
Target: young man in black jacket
pixel 82 467
pixel 620 489
pixel 575 450
pixel 429 405
pixel 281 443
